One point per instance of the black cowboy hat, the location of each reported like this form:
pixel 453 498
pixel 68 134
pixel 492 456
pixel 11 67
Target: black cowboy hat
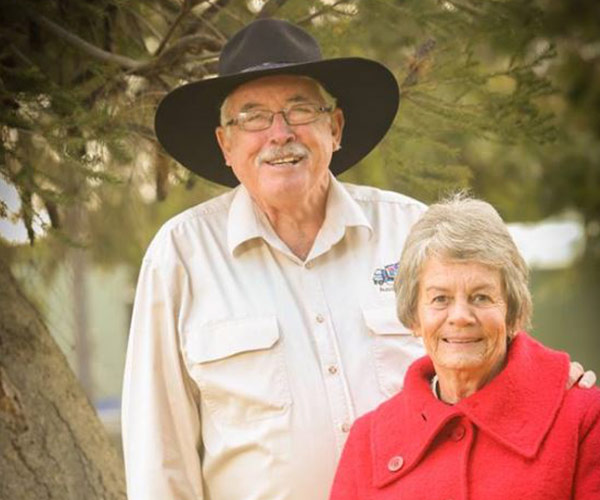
pixel 366 91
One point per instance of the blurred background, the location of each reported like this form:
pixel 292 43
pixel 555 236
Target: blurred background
pixel 500 96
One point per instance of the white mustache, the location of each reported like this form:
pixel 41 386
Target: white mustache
pixel 275 152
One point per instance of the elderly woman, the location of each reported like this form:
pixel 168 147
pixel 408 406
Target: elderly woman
pixel 485 415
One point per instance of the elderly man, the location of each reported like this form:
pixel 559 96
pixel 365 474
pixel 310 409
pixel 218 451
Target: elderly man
pixel 264 320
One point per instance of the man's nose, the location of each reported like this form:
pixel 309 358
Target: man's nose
pixel 281 131
pixel 460 313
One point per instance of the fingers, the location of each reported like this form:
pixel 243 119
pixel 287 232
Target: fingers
pixel 575 373
pixel 587 380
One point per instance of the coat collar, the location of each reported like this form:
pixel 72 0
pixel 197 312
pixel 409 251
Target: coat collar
pixel 517 408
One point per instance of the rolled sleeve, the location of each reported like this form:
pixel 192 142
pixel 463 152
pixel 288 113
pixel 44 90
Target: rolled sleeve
pixel 160 419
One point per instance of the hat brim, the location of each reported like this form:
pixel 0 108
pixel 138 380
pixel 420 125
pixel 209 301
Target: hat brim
pixel 365 90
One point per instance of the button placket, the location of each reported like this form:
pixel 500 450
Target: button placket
pixel 326 346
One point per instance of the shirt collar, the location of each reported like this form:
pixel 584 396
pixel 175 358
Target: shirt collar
pixel 246 223
pixel 517 408
pixel 243 223
pixel 342 212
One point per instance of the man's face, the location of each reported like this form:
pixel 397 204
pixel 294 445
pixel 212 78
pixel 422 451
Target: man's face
pixel 282 164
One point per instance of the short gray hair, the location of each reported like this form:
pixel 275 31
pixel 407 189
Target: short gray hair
pixel 464 229
pixel 328 100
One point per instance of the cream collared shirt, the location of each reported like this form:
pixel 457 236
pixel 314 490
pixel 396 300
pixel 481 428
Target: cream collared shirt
pixel 246 366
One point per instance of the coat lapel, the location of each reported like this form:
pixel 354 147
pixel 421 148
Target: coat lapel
pixel 517 409
pixel 519 406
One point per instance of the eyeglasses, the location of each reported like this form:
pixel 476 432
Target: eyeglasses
pixel 255 120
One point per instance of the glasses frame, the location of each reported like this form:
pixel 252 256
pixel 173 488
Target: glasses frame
pixel 283 112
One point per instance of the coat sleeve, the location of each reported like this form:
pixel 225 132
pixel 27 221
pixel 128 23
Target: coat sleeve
pixel 351 472
pixel 587 473
pixel 160 418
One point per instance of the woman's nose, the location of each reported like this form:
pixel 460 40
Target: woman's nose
pixel 460 313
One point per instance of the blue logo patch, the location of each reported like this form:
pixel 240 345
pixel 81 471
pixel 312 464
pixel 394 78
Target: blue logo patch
pixel 385 274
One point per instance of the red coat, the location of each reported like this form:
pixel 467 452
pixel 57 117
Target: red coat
pixel 522 436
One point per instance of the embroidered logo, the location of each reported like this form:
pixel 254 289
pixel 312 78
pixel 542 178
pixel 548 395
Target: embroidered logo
pixel 385 275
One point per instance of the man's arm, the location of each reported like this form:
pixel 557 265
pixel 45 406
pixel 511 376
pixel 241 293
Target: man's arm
pixel 160 420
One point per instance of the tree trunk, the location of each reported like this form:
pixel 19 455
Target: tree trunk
pixel 52 445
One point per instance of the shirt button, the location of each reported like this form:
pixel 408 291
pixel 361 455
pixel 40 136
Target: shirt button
pixel 458 433
pixel 309 265
pixel 320 318
pixel 345 427
pixel 332 369
pixel 395 463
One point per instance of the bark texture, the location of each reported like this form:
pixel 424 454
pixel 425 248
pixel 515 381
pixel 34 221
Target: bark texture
pixel 52 445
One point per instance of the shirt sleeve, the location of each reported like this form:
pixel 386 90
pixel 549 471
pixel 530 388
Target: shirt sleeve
pixel 587 474
pixel 160 418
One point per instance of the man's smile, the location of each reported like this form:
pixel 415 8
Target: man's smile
pixel 286 160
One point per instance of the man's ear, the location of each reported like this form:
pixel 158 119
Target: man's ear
pixel 337 127
pixel 224 143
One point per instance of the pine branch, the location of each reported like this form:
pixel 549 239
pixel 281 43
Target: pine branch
pixel 139 20
pixel 134 66
pixel 87 47
pixel 218 33
pixel 186 6
pixel 199 20
pixel 216 7
pixel 181 45
pixel 269 8
pixel 416 66
pixel 166 6
pixel 140 130
pixel 307 19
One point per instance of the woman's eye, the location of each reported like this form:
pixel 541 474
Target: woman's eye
pixel 481 298
pixel 439 299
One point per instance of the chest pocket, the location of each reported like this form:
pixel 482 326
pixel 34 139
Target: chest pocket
pixel 239 368
pixel 394 347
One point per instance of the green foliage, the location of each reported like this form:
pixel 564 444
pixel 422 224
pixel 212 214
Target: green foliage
pixel 500 96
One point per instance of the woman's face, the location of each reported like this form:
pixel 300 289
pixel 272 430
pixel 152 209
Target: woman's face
pixel 461 315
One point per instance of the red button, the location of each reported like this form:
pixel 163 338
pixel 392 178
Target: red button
pixel 458 433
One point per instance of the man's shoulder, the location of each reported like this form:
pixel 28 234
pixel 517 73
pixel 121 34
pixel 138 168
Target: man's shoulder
pixel 187 226
pixel 369 194
pixel 205 211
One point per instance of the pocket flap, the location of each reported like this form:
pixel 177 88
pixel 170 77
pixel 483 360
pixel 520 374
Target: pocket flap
pixel 383 321
pixel 226 338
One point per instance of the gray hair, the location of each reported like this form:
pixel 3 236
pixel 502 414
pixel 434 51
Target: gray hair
pixel 328 100
pixel 464 229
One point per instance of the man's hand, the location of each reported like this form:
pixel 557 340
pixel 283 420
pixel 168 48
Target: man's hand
pixel 577 375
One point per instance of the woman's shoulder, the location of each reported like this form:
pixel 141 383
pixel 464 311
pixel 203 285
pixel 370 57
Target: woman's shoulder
pixel 577 401
pixel 585 404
